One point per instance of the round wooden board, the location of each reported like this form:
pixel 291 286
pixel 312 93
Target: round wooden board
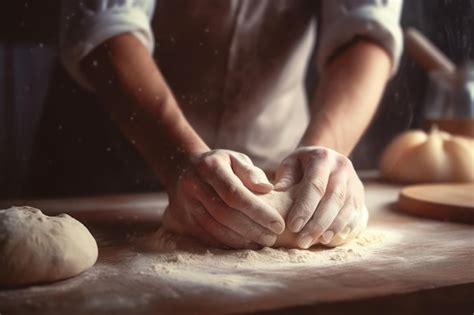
pixel 450 202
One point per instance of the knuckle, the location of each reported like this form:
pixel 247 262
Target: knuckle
pixel 244 157
pixel 209 164
pixel 343 163
pixel 319 154
pixel 256 170
pixel 318 185
pixel 305 210
pixel 247 169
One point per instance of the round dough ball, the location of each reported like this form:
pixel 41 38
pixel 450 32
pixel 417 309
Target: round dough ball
pixel 37 248
pixel 419 157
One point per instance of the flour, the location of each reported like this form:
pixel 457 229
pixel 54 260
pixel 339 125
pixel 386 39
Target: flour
pixel 184 259
pixel 168 270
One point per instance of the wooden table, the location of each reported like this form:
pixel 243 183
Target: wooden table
pixel 427 268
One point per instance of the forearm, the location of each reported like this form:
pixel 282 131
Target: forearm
pixel 133 91
pixel 349 91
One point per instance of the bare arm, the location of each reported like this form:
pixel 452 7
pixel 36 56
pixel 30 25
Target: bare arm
pixel 209 190
pixel 331 204
pixel 351 86
pixel 131 87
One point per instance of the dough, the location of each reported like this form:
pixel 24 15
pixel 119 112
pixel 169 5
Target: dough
pixel 282 202
pixel 38 248
pixel 419 157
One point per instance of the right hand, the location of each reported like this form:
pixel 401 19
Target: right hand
pixel 213 200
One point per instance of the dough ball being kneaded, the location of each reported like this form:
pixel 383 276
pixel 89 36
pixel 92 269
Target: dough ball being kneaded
pixel 36 248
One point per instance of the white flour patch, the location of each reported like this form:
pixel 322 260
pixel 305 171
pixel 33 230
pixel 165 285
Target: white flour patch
pixel 182 259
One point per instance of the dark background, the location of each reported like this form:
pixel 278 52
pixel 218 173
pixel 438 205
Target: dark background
pixel 28 41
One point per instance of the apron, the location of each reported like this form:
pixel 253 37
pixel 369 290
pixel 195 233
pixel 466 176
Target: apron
pixel 237 69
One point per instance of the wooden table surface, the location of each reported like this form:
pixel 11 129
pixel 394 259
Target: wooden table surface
pixel 426 266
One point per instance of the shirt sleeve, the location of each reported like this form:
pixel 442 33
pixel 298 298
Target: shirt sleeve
pixel 85 24
pixel 343 20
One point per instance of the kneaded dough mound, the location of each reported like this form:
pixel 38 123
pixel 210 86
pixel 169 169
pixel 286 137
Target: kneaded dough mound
pixel 37 248
pixel 282 201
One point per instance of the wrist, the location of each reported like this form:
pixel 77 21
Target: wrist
pixel 326 140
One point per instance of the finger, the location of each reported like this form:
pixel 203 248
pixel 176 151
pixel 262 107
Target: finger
pixel 233 219
pixel 204 236
pixel 332 202
pixel 339 229
pixel 357 220
pixel 312 190
pixel 175 224
pixel 360 222
pixel 287 174
pixel 218 231
pixel 357 224
pixel 359 217
pixel 251 176
pixel 231 190
pixel 194 229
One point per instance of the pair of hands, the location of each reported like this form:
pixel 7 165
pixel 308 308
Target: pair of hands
pixel 213 199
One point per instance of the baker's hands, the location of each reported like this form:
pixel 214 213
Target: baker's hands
pixel 212 199
pixel 330 206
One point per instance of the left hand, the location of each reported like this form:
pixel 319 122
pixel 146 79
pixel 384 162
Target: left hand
pixel 330 205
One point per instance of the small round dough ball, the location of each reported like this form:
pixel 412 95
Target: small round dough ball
pixel 36 248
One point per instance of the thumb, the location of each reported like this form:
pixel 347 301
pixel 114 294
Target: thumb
pixel 251 176
pixel 287 174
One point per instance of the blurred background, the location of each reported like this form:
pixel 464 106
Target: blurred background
pixel 28 55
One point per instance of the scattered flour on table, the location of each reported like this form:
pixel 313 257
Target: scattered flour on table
pixel 184 267
pixel 183 259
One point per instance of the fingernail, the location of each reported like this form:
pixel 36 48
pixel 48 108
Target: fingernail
pixel 277 185
pixel 268 239
pixel 281 185
pixel 296 225
pixel 305 241
pixel 345 232
pixel 277 227
pixel 327 237
pixel 264 184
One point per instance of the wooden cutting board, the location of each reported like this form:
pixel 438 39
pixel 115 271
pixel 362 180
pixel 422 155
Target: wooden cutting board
pixel 450 202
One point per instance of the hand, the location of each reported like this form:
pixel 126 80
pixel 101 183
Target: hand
pixel 330 206
pixel 212 199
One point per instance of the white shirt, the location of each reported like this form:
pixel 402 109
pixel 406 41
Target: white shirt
pixel 267 137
